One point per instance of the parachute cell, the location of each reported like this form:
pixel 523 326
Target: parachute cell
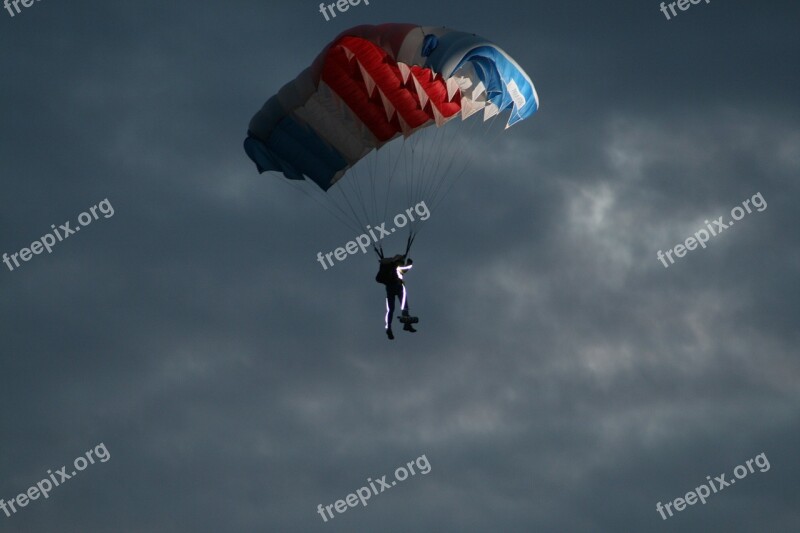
pixel 375 83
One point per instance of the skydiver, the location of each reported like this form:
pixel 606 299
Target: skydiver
pixel 391 274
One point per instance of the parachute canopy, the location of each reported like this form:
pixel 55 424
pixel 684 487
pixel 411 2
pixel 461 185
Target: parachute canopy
pixel 375 83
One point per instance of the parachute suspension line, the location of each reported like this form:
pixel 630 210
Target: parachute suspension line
pixel 418 159
pixel 440 152
pixel 421 151
pixel 371 161
pixel 491 141
pixel 385 180
pixel 434 160
pixel 351 217
pixel 425 159
pixel 450 150
pixel 444 148
pixel 373 177
pixel 357 201
pixel 355 196
pixel 391 177
pixel 408 172
pixel 353 213
pixel 434 154
pixel 408 166
pixel 409 242
pixel 339 197
pixel 455 176
pixel 355 185
pixel 342 216
pixel 418 177
pixel 456 159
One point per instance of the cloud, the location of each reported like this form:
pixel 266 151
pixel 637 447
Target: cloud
pixel 562 379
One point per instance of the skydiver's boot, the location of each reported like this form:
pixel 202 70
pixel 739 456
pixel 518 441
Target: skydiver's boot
pixel 390 334
pixel 409 327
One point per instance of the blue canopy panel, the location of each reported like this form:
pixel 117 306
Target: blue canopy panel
pixel 294 140
pixel 507 85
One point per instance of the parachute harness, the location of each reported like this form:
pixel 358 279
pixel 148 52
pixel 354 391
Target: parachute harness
pixel 379 248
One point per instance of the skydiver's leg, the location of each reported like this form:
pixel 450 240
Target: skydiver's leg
pixel 388 318
pixel 406 325
pixel 404 310
pixel 390 294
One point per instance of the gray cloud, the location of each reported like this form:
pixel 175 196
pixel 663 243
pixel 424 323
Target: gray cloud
pixel 562 378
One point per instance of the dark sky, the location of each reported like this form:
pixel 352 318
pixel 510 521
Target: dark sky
pixel 562 378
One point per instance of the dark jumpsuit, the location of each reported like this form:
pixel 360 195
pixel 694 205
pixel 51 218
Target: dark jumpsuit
pixel 396 289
